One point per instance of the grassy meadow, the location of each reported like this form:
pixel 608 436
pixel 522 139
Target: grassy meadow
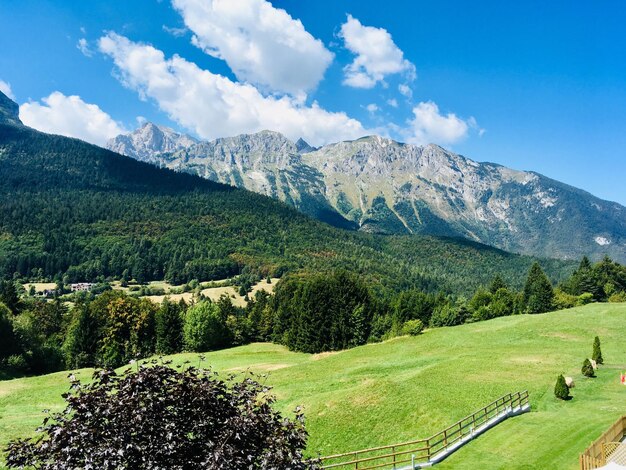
pixel 411 387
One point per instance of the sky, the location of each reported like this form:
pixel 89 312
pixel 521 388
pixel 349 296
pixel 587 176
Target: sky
pixel 531 85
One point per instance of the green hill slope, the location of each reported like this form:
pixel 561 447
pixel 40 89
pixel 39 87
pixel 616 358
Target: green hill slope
pixel 410 387
pixel 67 207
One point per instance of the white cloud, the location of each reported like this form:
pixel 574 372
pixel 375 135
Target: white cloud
pixel 474 125
pixel 176 32
pixel 372 108
pixel 262 45
pixel 430 126
pixel 376 55
pixel 70 116
pixel 405 90
pixel 214 106
pixel 392 102
pixel 5 88
pixel 83 47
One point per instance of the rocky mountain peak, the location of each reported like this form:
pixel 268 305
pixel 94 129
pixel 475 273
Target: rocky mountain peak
pixel 303 146
pixel 245 151
pixel 9 111
pixel 149 141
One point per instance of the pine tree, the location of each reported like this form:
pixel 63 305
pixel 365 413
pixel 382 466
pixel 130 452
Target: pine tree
pixel 587 369
pixel 597 352
pixel 9 296
pixel 169 328
pixel 561 390
pixel 585 279
pixel 497 284
pixel 538 293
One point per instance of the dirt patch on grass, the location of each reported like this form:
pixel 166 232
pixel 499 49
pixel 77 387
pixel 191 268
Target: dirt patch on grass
pixel 8 387
pixel 266 367
pixel 322 355
pixel 563 336
pixel 528 359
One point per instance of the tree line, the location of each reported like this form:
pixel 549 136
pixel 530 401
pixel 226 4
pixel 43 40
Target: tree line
pixel 308 312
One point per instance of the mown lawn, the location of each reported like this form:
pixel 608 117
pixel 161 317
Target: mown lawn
pixel 409 388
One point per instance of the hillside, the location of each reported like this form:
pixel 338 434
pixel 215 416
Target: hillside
pixel 68 207
pixel 409 387
pixel 378 185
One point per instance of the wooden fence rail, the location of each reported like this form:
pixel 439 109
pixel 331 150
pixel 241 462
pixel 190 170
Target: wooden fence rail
pixel 423 450
pixel 596 454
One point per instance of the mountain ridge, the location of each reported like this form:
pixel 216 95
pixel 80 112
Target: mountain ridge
pixel 376 184
pixel 76 210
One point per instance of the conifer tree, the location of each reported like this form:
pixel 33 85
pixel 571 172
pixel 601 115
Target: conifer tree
pixel 561 390
pixel 497 284
pixel 597 352
pixel 538 293
pixel 169 327
pixel 587 369
pixel 585 280
pixel 9 296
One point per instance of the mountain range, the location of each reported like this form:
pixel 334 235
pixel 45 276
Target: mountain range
pixel 375 184
pixel 75 211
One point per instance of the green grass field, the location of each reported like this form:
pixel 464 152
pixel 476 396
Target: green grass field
pixel 409 388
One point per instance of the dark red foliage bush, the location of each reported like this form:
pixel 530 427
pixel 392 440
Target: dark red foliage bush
pixel 161 418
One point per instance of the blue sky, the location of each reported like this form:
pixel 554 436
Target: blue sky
pixel 531 85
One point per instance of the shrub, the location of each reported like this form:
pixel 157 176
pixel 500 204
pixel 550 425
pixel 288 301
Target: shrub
pixel 482 298
pixel 563 300
pixel 412 327
pixel 597 352
pixel 447 315
pixel 584 299
pixel 160 418
pixel 618 297
pixel 587 369
pixel 17 363
pixel 482 313
pixel 561 390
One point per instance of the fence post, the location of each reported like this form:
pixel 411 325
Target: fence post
pixel 393 451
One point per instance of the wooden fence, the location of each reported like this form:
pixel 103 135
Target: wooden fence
pixel 596 454
pixel 423 450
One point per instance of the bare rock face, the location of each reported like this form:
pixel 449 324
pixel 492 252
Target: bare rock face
pixel 149 141
pixel 380 185
pixel 9 111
